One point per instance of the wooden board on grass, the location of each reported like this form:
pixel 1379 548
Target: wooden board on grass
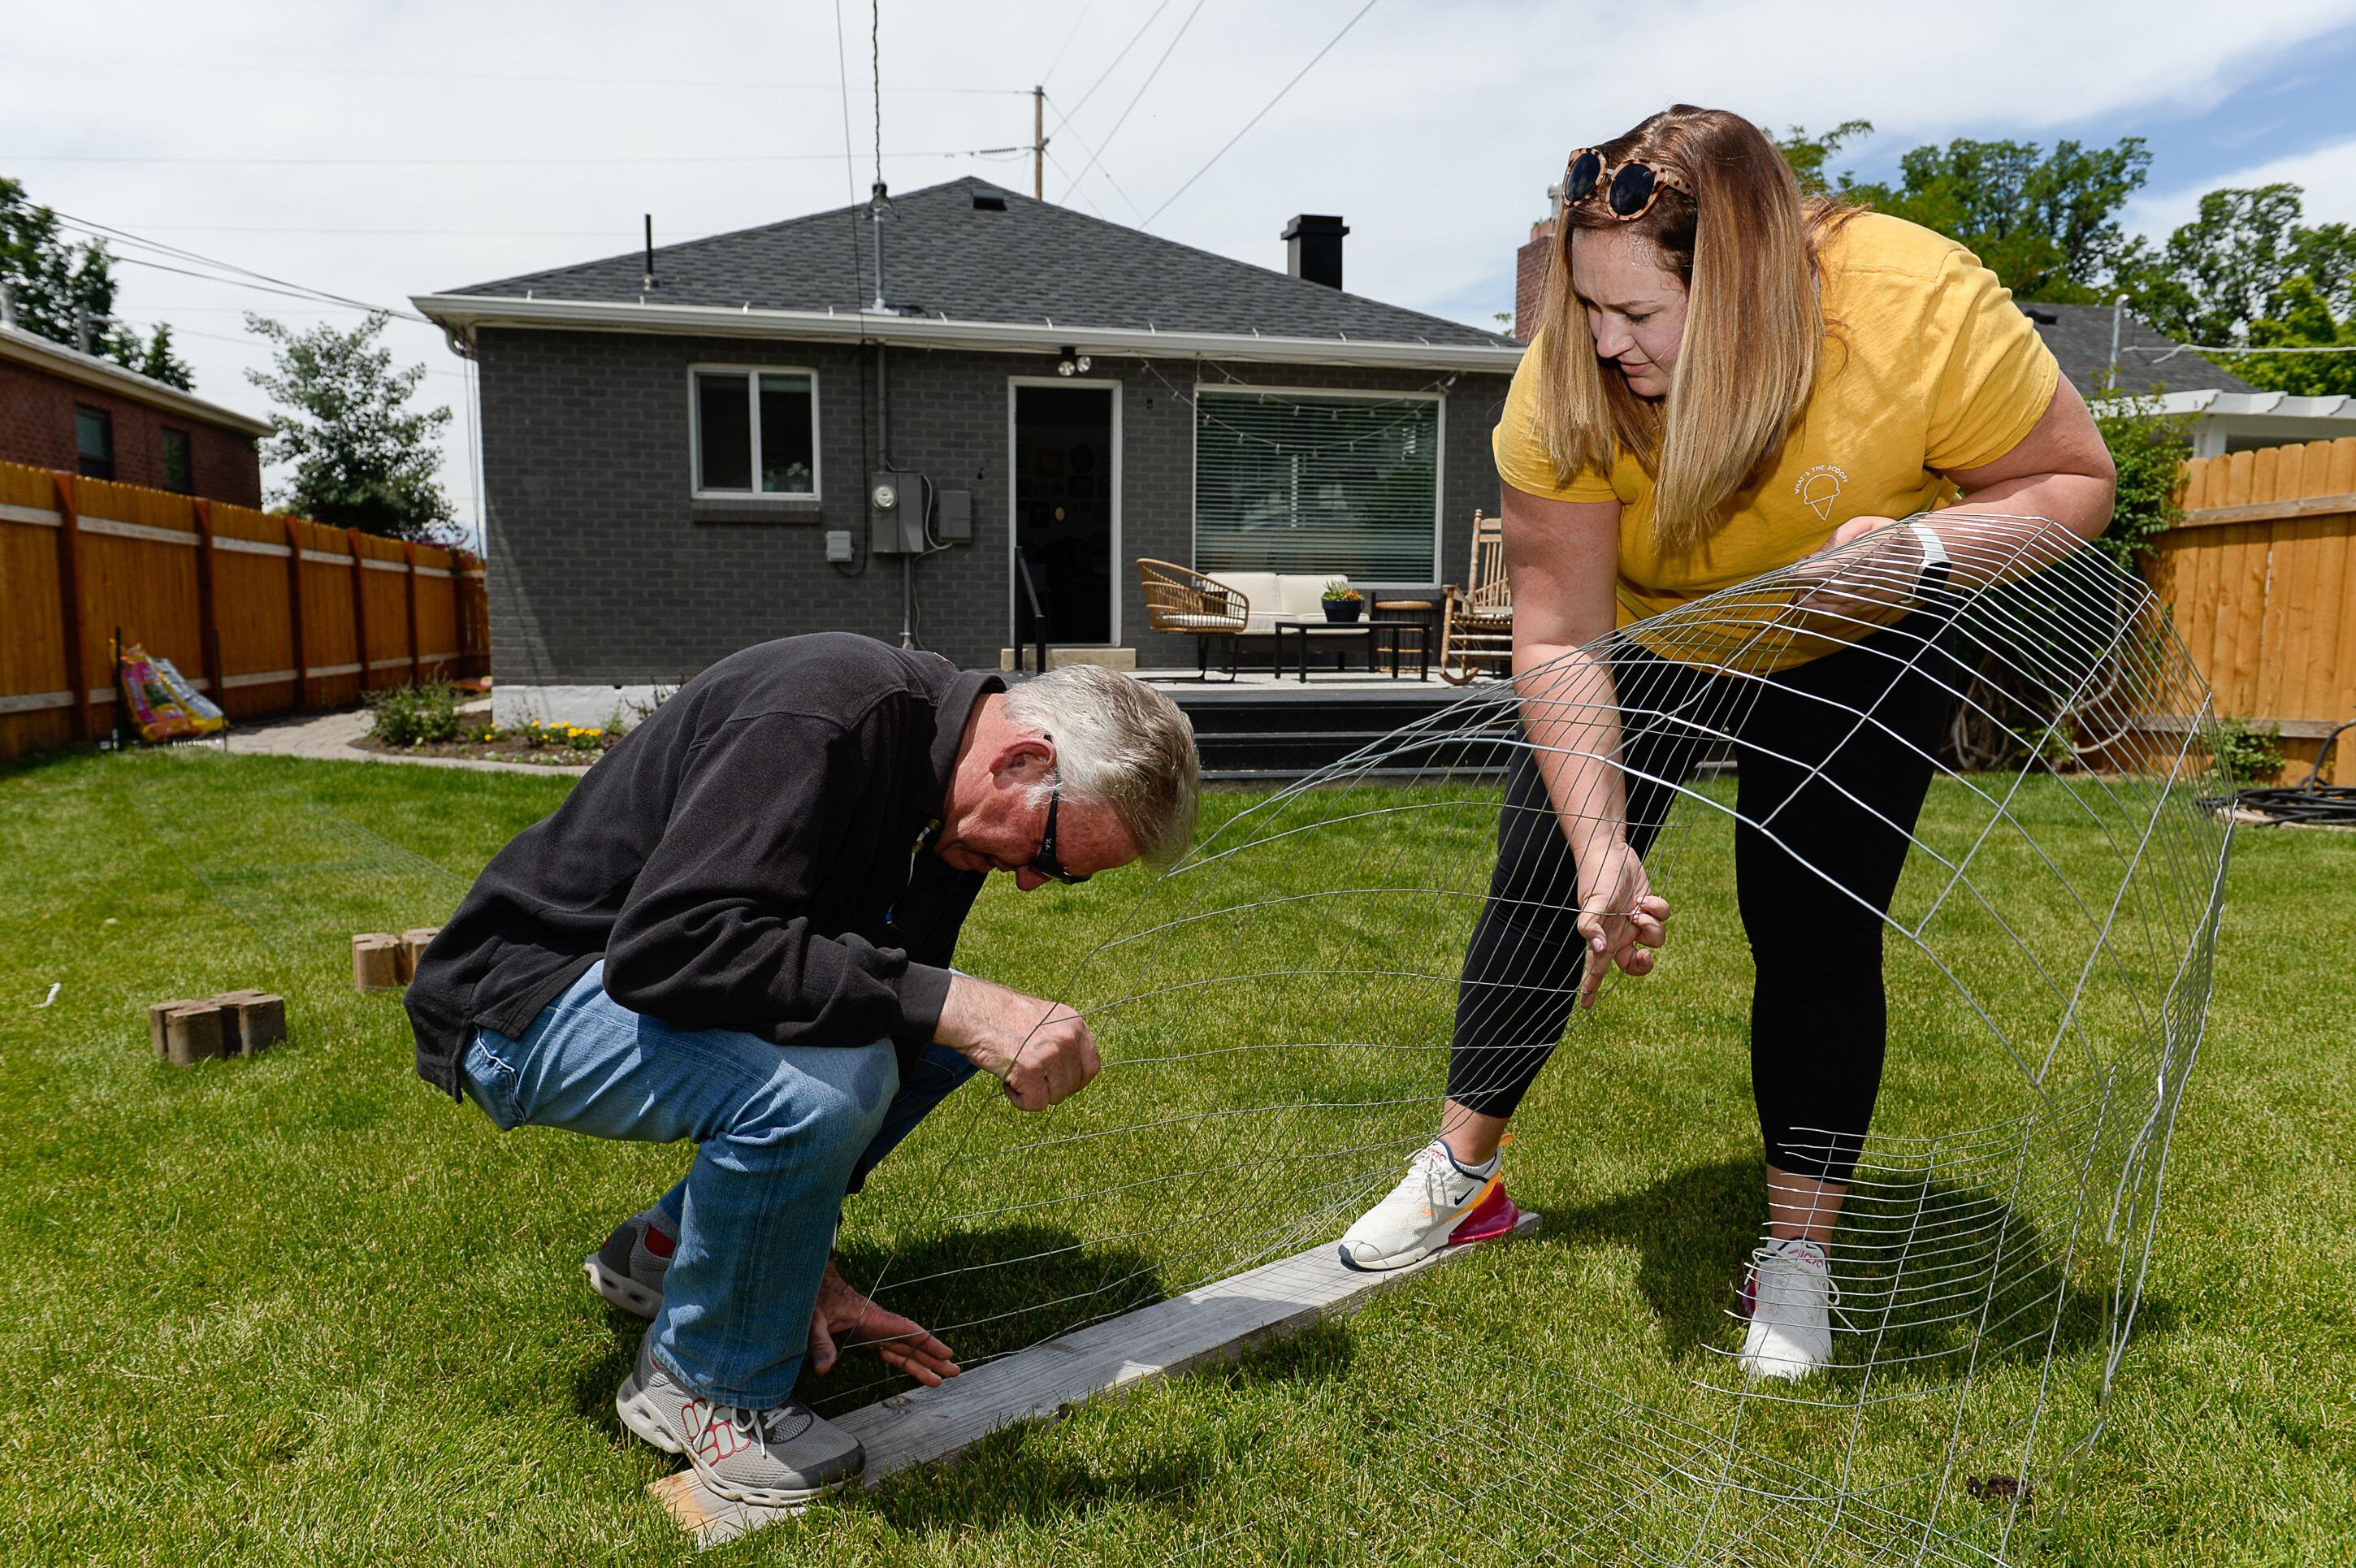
pixel 1217 1322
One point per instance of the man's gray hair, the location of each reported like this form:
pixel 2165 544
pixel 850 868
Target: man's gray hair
pixel 1121 743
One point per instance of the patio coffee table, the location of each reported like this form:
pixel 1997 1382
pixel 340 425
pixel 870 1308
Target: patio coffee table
pixel 1374 634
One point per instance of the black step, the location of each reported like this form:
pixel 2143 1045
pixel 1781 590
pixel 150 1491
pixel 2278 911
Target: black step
pixel 1276 734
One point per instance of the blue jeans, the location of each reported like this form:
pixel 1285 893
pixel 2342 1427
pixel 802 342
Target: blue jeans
pixel 781 1132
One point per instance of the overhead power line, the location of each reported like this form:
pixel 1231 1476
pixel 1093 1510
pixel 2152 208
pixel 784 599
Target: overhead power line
pixel 459 162
pixel 2175 348
pixel 1256 119
pixel 1139 96
pixel 1107 73
pixel 1101 168
pixel 241 276
pixel 842 83
pixel 1067 44
pixel 283 70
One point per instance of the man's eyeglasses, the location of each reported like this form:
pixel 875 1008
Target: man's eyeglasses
pixel 1044 862
pixel 1632 189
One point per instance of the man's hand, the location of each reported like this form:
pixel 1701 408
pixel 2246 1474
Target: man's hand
pixel 1621 918
pixel 1041 1050
pixel 846 1316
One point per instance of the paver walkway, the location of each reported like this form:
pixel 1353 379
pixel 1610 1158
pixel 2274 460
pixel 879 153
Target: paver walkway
pixel 330 737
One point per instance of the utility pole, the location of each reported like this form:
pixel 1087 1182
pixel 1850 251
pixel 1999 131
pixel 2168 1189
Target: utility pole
pixel 1039 143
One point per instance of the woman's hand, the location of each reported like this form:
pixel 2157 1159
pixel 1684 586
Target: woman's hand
pixel 1621 918
pixel 844 1314
pixel 1865 583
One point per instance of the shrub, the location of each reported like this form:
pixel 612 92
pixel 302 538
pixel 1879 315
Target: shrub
pixel 2245 755
pixel 2148 448
pixel 414 715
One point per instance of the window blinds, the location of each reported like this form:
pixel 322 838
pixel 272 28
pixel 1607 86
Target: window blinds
pixel 1343 486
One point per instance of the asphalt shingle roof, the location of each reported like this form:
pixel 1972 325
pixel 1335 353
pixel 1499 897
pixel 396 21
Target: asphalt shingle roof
pixel 1032 263
pixel 2080 337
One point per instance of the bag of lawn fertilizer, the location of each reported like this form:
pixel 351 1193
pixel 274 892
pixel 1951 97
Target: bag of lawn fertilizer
pixel 164 706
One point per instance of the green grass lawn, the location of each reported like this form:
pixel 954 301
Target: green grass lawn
pixel 302 1308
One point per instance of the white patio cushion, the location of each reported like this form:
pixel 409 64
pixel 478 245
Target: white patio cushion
pixel 1300 595
pixel 1203 623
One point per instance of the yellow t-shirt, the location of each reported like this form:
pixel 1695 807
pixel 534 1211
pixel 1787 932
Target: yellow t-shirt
pixel 1927 365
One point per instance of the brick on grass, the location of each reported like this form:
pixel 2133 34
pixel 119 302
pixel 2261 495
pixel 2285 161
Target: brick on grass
pixel 192 1034
pixel 251 1021
pixel 155 1011
pixel 376 960
pixel 414 942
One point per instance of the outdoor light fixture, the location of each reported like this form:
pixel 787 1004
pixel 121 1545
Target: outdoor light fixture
pixel 1073 363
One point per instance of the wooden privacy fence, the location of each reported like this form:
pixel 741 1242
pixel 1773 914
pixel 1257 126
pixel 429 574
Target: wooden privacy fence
pixel 2261 577
pixel 263 612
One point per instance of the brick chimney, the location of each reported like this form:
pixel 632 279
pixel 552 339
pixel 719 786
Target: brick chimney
pixel 1530 263
pixel 1313 248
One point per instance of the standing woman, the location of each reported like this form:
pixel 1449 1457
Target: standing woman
pixel 1729 378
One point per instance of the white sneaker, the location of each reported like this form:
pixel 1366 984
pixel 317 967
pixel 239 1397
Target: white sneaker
pixel 1790 1298
pixel 1425 1211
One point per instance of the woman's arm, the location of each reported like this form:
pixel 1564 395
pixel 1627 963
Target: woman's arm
pixel 2059 473
pixel 1565 560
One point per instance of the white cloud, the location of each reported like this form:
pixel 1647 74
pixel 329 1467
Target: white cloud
pixel 2327 173
pixel 1434 128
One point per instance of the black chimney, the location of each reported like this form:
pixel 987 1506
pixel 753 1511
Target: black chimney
pixel 1313 248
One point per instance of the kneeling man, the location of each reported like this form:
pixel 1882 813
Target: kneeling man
pixel 737 930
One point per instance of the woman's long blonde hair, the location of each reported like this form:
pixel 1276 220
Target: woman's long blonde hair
pixel 1744 246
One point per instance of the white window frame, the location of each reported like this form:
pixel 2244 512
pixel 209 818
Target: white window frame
pixel 1364 394
pixel 752 396
pixel 1013 583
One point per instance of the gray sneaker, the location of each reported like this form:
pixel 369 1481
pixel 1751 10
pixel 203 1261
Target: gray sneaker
pixel 626 1271
pixel 772 1458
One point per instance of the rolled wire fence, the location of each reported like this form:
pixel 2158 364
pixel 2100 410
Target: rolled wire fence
pixel 1275 1015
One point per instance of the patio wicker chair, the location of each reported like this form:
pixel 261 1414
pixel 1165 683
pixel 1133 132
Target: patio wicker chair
pixel 1476 635
pixel 1181 601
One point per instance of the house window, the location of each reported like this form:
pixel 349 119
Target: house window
pixel 179 467
pixel 756 431
pixel 1300 482
pixel 94 442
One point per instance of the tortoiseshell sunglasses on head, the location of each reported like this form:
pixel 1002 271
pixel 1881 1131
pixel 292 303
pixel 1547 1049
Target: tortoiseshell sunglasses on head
pixel 1630 191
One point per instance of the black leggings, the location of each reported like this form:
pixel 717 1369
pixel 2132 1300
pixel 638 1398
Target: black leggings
pixel 1833 757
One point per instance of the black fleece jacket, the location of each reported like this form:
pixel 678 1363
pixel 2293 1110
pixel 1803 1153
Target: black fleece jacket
pixel 748 858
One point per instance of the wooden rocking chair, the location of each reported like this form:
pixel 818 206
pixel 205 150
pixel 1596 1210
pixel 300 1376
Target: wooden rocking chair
pixel 1476 635
pixel 1181 601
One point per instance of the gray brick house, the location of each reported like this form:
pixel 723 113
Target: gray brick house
pixel 742 438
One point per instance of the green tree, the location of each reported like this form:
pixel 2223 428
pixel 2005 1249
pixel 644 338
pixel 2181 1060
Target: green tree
pixel 1808 155
pixel 361 457
pixel 2246 271
pixel 59 289
pixel 2305 320
pixel 2221 271
pixel 2046 223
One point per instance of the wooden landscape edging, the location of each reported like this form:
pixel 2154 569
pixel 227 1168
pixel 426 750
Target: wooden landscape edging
pixel 1215 1323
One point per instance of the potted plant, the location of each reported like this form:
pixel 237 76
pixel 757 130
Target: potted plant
pixel 1342 601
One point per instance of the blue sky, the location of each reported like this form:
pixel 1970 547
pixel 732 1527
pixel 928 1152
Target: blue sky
pixel 383 150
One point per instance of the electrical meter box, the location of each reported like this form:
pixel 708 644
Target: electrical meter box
pixel 954 522
pixel 895 513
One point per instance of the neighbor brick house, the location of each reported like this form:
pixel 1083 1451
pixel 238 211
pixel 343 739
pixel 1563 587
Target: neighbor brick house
pixel 76 413
pixel 701 446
